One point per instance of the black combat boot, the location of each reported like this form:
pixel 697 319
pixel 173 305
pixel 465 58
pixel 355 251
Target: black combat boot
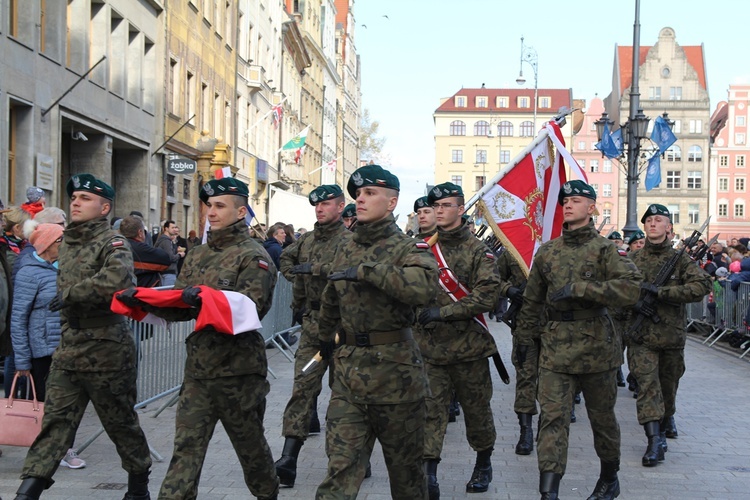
pixel 549 485
pixel 671 428
pixel 608 486
pixel 654 452
pixel 31 488
pixel 368 470
pixel 482 475
pixel 430 470
pixel 314 420
pixel 573 414
pixel 620 378
pixel 138 487
pixel 286 466
pixel 526 441
pixel 663 434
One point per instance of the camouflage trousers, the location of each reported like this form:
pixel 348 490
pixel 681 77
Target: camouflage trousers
pixel 113 395
pixel 526 380
pixel 658 373
pixel 556 392
pixel 351 430
pixel 240 404
pixel 473 386
pixel 306 388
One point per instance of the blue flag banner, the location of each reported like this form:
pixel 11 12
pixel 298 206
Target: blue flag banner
pixel 249 216
pixel 616 137
pixel 662 135
pixel 608 146
pixel 653 172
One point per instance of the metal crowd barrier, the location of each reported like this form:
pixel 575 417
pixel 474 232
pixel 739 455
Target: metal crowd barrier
pixel 161 353
pixel 723 313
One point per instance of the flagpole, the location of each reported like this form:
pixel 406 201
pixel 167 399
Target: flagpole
pixel 543 135
pixel 324 166
pixel 265 116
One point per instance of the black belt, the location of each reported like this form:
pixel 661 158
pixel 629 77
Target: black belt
pixel 377 338
pixel 314 305
pixel 97 322
pixel 576 315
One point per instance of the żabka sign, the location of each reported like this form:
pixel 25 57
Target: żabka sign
pixel 182 166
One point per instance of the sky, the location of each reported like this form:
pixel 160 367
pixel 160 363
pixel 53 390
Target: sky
pixel 425 50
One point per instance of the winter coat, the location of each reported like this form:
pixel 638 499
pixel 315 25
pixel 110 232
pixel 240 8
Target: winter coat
pixel 274 249
pixel 743 275
pixel 35 329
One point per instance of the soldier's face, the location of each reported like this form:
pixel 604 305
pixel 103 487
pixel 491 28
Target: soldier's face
pixel 328 211
pixel 448 212
pixel 374 203
pixel 348 221
pixel 577 210
pixel 637 245
pixel 223 211
pixel 426 218
pixel 656 228
pixel 85 206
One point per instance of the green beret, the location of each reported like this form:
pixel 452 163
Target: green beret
pixel 350 210
pixel 638 235
pixel 220 187
pixel 87 182
pixel 323 193
pixel 444 190
pixel 371 175
pixel 421 203
pixel 656 209
pixel 614 236
pixel 576 188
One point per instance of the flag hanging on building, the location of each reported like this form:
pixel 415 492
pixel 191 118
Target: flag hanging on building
pixel 277 112
pixel 223 173
pixel 330 166
pixel 297 141
pixel 520 203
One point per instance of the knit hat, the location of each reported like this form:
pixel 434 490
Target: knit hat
pixel 34 194
pixel 44 236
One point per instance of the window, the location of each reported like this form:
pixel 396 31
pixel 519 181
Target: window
pixel 481 156
pixel 173 99
pixel 675 211
pixel 170 185
pixel 458 128
pixel 524 102
pixel 739 120
pixel 482 128
pixel 607 213
pixel 739 184
pixel 190 97
pixel 695 153
pixel 673 179
pixel 674 153
pixel 457 156
pixel 545 102
pixel 206 107
pixel 227 121
pixel 217 115
pixel 501 101
pixel 478 182
pixel 739 138
pixel 527 129
pixel 456 179
pixel 723 161
pixel 505 129
pixel 504 156
pixel 460 101
pixel 607 166
pixel 594 166
pixel 696 126
pixel 723 209
pixel 482 102
pixel 693 214
pixel 694 179
pixel 723 184
pixel 582 164
pixel 582 145
pixel 595 186
pixel 740 161
pixel 675 93
pixel 739 209
pixel 607 191
pixel 186 192
pixel 677 126
pixel 654 93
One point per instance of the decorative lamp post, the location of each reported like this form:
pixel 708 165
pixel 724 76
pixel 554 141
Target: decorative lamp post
pixel 529 55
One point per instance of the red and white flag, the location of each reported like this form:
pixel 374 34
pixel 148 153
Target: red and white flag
pixel 330 166
pixel 277 112
pixel 224 172
pixel 520 203
pixel 225 312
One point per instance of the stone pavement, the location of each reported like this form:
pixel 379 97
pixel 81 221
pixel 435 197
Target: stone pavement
pixel 709 460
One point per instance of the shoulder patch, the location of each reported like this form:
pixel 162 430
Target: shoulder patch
pixel 117 243
pixel 489 255
pixel 422 244
pixel 263 264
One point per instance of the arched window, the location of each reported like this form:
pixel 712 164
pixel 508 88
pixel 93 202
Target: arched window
pixel 527 129
pixel 505 129
pixel 695 153
pixel 458 128
pixel 674 153
pixel 482 128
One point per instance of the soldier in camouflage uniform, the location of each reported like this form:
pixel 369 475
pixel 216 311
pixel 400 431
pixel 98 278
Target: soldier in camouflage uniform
pixel 306 263
pixel 425 218
pixel 349 216
pixel 225 375
pixel 96 358
pixel 575 277
pixel 453 341
pixel 379 383
pixel 656 352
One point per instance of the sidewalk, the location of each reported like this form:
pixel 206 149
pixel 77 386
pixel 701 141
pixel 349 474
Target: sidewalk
pixel 709 460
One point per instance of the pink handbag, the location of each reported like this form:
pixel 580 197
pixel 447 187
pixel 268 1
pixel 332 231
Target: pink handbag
pixel 20 419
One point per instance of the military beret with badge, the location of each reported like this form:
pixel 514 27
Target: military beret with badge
pixel 421 203
pixel 221 187
pixel 576 188
pixel 637 235
pixel 371 175
pixel 90 184
pixel 444 190
pixel 350 210
pixel 614 236
pixel 323 193
pixel 656 209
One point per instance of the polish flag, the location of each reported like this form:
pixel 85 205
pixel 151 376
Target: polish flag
pixel 224 172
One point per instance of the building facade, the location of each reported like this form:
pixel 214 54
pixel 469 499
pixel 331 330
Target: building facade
pixel 349 96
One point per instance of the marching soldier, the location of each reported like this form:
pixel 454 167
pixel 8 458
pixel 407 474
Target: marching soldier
pixel 379 383
pixel 575 277
pixel 349 216
pixel 656 353
pixel 425 218
pixel 454 338
pixel 96 358
pixel 306 263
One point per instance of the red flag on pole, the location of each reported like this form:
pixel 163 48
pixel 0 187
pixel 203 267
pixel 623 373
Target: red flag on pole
pixel 277 112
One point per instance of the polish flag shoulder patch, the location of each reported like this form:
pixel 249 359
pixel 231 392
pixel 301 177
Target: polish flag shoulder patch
pixel 117 243
pixel 263 265
pixel 422 245
pixel 489 255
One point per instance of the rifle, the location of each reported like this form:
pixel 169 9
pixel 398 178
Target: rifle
pixel 509 317
pixel 698 257
pixel 605 220
pixel 649 299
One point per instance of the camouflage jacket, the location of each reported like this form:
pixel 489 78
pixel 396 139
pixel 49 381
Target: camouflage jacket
pixel 425 235
pixel 509 269
pixel 396 274
pixel 600 277
pixel 459 338
pixel 688 283
pixel 230 260
pixel 94 263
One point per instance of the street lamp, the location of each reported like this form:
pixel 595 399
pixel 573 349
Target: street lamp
pixel 529 55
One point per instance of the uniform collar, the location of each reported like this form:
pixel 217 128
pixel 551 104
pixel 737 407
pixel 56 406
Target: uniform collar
pixel 375 231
